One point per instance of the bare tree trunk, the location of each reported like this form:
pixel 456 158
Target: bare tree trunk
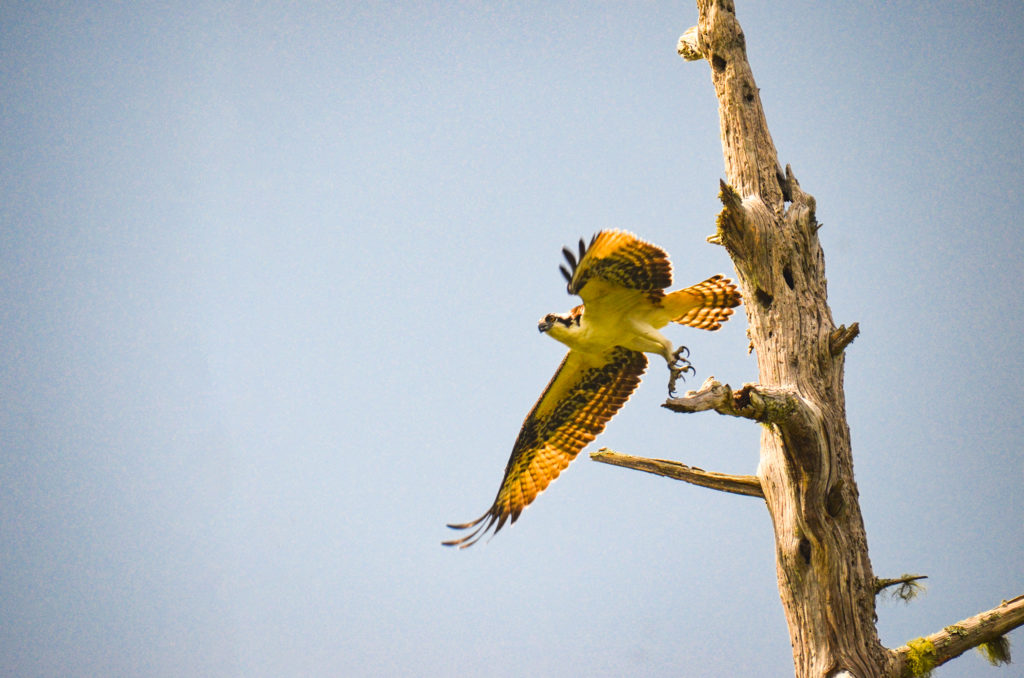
pixel 805 473
pixel 806 468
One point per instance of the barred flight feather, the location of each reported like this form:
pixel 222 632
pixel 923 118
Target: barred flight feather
pixel 577 404
pixel 621 280
pixel 619 257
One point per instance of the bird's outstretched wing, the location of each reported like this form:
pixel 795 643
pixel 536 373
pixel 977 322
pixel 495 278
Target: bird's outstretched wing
pixel 617 259
pixel 584 394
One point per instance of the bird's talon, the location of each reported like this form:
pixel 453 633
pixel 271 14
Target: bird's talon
pixel 678 368
pixel 681 353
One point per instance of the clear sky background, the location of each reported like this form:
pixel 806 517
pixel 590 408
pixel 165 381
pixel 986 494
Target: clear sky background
pixel 269 283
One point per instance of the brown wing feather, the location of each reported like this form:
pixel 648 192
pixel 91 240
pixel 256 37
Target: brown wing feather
pixel 579 400
pixel 620 259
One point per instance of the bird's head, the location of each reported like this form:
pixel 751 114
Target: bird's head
pixel 561 325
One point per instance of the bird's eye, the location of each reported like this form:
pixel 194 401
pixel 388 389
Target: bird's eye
pixel 549 318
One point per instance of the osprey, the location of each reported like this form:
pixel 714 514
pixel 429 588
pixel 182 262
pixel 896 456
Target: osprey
pixel 622 282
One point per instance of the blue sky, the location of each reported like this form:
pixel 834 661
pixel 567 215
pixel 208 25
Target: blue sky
pixel 269 282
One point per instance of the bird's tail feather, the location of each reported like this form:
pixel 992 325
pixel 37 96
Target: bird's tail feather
pixel 705 305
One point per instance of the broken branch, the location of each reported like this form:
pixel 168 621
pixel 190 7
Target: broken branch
pixel 723 482
pixel 841 338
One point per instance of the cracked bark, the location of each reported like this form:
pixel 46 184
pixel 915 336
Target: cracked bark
pixel 805 473
pixel 768 226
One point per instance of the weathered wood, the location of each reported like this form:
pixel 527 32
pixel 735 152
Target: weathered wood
pixel 724 482
pixel 768 226
pixel 955 639
pixel 805 474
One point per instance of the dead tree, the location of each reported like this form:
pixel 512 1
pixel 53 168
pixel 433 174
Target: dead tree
pixel 805 474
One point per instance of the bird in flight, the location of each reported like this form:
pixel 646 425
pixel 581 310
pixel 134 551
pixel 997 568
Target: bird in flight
pixel 622 282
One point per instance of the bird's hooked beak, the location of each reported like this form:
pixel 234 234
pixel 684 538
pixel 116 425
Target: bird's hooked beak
pixel 545 323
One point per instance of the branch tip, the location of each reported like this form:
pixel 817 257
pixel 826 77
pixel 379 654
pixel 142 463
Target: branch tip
pixel 712 395
pixel 842 337
pixel 907 586
pixel 728 196
pixel 688 46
